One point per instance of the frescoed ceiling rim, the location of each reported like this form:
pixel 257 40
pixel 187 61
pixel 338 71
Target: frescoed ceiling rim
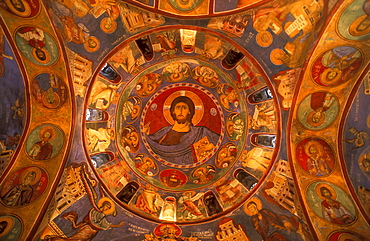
pixel 248 56
pixel 184 15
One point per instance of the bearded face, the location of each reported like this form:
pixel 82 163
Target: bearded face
pixel 181 113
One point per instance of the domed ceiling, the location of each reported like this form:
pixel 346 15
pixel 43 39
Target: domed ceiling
pixel 184 120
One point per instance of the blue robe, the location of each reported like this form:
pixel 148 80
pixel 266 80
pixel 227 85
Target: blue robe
pixel 181 153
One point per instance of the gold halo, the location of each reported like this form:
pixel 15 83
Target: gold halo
pixel 181 75
pixel 196 170
pixel 274 54
pixel 260 23
pixel 47 56
pixel 112 209
pixel 28 170
pixel 108 30
pixel 331 189
pixel 360 160
pixel 27 8
pixel 53 105
pixel 135 134
pixel 230 128
pixel 256 201
pixel 347 236
pixel 88 48
pixel 324 74
pixel 10 225
pixel 47 128
pixel 317 144
pixel 315 124
pixel 352 28
pixel 137 108
pixel 176 79
pixel 198 115
pixel 262 43
pixel 207 81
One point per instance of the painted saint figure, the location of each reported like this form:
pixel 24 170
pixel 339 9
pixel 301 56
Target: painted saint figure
pixel 203 174
pixel 264 118
pixel 332 210
pixel 96 218
pixel 338 60
pixel 131 109
pixel 35 38
pixel 176 72
pixel 130 139
pixel 206 76
pixel 235 126
pixel 145 165
pixel 361 25
pixel 99 140
pixel 94 221
pixel 149 201
pixel 22 193
pixel 175 143
pixel 272 226
pixel 320 102
pixel 228 97
pixel 166 45
pixel 318 110
pixel 42 150
pixel 316 164
pixel 191 210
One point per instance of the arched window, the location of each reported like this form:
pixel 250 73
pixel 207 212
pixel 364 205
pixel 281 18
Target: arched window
pixel 145 46
pixel 211 203
pixel 267 140
pixel 101 158
pixel 126 194
pixel 110 73
pixel 232 58
pixel 96 115
pixel 246 179
pixel 260 95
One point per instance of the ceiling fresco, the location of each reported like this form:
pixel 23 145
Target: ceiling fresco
pixel 184 120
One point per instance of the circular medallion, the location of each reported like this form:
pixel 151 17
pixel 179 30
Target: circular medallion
pixel 331 203
pixel 92 44
pixel 206 76
pixel 45 142
pixel 24 186
pixel 148 84
pixel 180 134
pixel 49 90
pixel 276 55
pixel 336 66
pixel 176 72
pixel 318 110
pixel 10 228
pixel 22 8
pixel 185 136
pixel 108 25
pixel 315 156
pixel 264 38
pixel 36 45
